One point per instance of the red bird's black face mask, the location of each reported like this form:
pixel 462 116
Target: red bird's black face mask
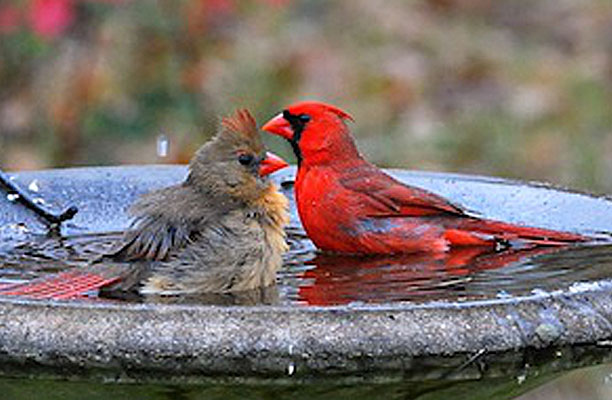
pixel 289 126
pixel 298 124
pixel 294 121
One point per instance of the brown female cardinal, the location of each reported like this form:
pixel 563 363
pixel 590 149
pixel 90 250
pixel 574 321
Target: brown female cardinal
pixel 219 231
pixel 348 205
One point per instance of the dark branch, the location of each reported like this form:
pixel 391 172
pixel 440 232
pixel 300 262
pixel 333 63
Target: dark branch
pixel 52 220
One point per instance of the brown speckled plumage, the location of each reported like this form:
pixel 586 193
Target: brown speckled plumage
pixel 219 231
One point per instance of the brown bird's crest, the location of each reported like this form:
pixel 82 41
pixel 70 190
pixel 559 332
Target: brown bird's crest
pixel 238 133
pixel 241 126
pixel 242 122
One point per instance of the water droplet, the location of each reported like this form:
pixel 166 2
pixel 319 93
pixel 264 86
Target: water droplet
pixel 290 369
pixel 502 294
pixel 12 196
pixel 33 186
pixel 15 231
pixel 21 227
pixel 580 287
pixel 162 145
pixel 539 292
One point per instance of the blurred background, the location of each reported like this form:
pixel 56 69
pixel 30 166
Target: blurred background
pixel 510 88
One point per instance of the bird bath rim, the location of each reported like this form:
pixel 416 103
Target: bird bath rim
pixel 197 340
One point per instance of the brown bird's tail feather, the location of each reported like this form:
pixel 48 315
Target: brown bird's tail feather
pixel 73 284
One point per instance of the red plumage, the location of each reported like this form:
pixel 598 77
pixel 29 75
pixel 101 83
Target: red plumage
pixel 348 205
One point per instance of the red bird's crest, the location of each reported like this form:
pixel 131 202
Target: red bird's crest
pixel 316 107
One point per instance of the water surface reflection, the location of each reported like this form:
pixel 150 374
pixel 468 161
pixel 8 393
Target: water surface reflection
pixel 310 278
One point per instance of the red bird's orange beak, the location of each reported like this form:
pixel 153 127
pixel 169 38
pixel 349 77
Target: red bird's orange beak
pixel 271 163
pixel 279 126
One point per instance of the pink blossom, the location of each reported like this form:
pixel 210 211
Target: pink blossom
pixel 50 18
pixel 220 6
pixel 276 3
pixel 10 18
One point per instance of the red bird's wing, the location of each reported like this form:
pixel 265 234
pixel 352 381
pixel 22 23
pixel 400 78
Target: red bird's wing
pixel 384 196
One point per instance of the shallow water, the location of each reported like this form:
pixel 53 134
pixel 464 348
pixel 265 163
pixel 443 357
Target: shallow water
pixel 103 194
pixel 310 278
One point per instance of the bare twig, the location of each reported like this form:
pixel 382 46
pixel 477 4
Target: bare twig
pixel 53 221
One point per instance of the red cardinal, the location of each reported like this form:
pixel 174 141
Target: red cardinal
pixel 348 205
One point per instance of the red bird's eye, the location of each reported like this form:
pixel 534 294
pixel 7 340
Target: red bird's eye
pixel 296 119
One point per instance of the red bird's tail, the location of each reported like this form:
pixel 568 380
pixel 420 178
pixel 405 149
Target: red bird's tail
pixel 472 231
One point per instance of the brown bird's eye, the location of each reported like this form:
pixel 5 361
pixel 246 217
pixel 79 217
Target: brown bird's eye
pixel 246 159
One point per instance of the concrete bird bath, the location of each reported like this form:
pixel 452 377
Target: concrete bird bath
pixel 402 319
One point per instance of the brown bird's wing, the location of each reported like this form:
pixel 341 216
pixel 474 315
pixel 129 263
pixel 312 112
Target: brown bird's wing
pixel 384 196
pixel 166 220
pixel 152 238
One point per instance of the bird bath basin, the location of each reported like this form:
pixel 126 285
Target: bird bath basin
pixel 468 315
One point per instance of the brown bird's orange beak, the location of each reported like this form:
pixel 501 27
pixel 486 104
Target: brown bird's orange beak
pixel 279 126
pixel 271 163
